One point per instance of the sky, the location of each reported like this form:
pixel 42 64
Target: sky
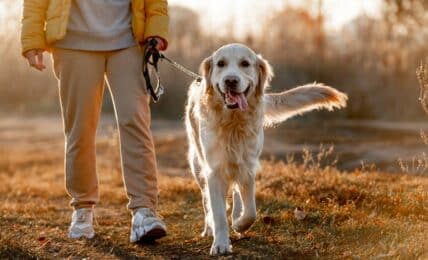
pixel 246 13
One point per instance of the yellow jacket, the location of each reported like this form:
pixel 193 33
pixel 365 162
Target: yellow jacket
pixel 45 21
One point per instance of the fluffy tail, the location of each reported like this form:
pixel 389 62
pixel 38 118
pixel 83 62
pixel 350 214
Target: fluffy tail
pixel 281 106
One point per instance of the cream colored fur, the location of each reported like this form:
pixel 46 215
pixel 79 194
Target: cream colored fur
pixel 225 144
pixel 280 106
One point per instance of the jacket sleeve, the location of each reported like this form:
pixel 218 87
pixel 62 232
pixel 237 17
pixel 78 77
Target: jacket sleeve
pixel 157 19
pixel 33 25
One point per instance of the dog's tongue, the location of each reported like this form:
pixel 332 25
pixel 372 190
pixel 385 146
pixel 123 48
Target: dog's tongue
pixel 238 98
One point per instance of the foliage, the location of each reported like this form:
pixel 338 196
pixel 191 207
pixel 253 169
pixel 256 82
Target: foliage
pixel 370 58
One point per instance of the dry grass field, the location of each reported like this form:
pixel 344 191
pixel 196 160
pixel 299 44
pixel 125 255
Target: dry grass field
pixel 348 215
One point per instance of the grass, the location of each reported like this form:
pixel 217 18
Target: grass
pixel 352 215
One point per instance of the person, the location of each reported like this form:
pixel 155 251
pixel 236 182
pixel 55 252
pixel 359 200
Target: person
pixel 91 40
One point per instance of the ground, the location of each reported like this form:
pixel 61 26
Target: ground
pixel 305 209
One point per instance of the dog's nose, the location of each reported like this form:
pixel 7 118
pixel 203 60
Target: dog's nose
pixel 231 81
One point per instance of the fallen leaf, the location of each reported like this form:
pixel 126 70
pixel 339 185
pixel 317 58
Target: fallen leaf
pixel 299 214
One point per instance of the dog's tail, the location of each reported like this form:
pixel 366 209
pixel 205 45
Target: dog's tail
pixel 281 106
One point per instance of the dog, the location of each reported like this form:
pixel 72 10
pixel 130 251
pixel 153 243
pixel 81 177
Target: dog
pixel 225 116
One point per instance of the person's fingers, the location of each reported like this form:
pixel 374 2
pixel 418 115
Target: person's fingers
pixel 40 63
pixel 31 58
pixel 29 53
pixel 161 44
pixel 35 59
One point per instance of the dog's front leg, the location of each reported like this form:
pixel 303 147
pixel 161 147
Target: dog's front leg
pixel 248 214
pixel 217 189
pixel 208 215
pixel 237 204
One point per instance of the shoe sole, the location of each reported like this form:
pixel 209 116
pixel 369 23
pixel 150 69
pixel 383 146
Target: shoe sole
pixel 78 236
pixel 153 235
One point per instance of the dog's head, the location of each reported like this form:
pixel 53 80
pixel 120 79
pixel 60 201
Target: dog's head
pixel 236 75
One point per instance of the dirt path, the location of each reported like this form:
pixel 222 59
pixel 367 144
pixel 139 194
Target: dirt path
pixel 358 214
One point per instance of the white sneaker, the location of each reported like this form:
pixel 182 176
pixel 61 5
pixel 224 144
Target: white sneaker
pixel 81 224
pixel 146 226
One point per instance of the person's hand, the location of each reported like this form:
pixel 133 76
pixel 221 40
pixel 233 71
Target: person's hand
pixel 35 58
pixel 161 44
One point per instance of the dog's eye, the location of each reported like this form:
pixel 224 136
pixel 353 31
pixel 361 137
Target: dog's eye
pixel 221 64
pixel 245 64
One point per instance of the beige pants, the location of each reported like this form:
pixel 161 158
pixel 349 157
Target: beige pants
pixel 81 81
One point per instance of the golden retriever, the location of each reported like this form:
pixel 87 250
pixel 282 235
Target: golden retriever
pixel 225 117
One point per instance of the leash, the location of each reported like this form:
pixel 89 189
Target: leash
pixel 152 57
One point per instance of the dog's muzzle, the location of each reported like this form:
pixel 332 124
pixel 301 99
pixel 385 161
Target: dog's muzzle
pixel 240 97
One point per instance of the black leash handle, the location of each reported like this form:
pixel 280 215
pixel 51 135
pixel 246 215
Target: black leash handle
pixel 152 57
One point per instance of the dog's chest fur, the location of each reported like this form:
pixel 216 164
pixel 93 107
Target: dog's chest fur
pixel 233 138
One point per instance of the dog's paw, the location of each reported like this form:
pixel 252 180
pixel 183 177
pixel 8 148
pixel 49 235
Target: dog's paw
pixel 221 247
pixel 207 231
pixel 243 223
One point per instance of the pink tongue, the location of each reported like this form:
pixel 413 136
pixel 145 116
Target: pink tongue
pixel 240 99
pixel 242 102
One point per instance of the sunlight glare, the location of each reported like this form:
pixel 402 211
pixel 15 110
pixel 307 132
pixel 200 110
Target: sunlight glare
pixel 246 14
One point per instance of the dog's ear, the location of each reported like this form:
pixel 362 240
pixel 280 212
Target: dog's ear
pixel 205 70
pixel 265 74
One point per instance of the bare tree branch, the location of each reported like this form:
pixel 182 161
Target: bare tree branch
pixel 422 74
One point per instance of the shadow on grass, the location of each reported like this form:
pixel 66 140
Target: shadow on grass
pixel 261 247
pixel 108 246
pixel 182 249
pixel 247 247
pixel 15 252
pixel 179 251
pixel 142 250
